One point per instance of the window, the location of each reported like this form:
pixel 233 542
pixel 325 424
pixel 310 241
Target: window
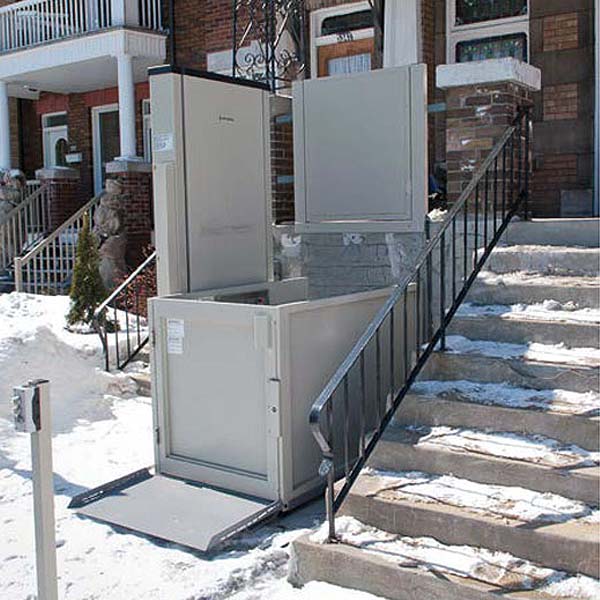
pixel 54 120
pixel 483 29
pixel 147 130
pixel 478 11
pixel 342 39
pixel 496 47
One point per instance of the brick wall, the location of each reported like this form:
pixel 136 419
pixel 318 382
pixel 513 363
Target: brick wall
pixel 15 145
pixel 137 189
pixel 31 127
pixel 562 47
pixel 282 165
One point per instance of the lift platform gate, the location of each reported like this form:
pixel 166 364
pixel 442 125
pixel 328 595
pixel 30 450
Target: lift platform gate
pixel 237 358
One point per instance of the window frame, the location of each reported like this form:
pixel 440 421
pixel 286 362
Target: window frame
pixel 485 29
pixel 317 40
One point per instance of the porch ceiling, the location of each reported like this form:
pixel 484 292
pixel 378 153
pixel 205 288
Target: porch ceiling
pixel 80 64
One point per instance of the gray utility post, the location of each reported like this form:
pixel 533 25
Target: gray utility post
pixel 31 409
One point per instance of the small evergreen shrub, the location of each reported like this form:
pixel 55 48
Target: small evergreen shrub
pixel 87 289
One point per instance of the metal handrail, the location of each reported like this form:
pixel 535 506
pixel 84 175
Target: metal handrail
pixel 120 300
pixel 24 225
pixel 48 266
pixel 436 297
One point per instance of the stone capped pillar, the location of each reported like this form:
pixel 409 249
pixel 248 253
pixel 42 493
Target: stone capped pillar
pixel 482 99
pixel 135 178
pixel 64 198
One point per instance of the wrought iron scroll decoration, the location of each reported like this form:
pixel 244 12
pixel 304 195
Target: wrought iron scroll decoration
pixel 269 41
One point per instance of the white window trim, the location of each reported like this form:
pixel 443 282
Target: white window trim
pixel 46 151
pixel 475 31
pixel 316 22
pixel 96 112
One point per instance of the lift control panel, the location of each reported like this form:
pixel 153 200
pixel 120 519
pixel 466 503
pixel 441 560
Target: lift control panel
pixel 26 407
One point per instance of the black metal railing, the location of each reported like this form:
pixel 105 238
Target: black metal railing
pixel 123 315
pixel 359 401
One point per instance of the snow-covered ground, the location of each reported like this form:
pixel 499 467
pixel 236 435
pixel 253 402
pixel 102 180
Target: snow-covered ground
pixel 102 430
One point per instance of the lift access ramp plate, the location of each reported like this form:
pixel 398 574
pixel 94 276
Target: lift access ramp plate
pixel 173 509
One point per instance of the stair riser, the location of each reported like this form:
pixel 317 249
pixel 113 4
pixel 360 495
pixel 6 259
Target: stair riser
pixel 554 232
pixel 448 367
pixel 543 545
pixel 394 456
pixel 573 335
pixel 584 432
pixel 585 297
pixel 352 568
pixel 567 262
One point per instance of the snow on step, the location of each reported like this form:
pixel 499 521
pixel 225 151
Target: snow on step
pixel 545 259
pixel 536 449
pixel 510 288
pixel 478 564
pixel 549 310
pixel 548 353
pixel 509 396
pixel 498 501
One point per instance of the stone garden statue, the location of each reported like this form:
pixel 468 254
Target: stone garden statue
pixel 109 227
pixel 12 186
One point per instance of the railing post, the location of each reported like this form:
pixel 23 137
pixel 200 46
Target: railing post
pixel 18 274
pixel 527 162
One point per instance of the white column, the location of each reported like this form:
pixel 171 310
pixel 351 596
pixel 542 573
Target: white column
pixel 5 160
pixel 126 106
pixel 402 38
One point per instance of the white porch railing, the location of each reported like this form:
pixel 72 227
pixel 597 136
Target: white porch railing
pixel 32 22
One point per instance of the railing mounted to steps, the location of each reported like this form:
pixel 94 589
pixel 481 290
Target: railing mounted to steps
pixel 355 407
pixel 48 266
pixel 25 224
pixel 127 307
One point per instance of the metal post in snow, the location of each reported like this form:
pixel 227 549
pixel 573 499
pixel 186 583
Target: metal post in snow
pixel 31 410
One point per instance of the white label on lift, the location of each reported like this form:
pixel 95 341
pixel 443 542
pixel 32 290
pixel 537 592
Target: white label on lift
pixel 163 142
pixel 175 335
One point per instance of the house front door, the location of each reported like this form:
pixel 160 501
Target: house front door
pixel 106 140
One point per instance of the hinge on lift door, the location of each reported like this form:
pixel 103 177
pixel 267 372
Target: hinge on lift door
pixel 157 435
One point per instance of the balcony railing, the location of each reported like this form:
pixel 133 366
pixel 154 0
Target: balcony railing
pixel 32 22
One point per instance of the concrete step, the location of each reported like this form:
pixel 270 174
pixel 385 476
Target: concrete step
pixel 519 370
pixel 440 451
pixel 554 232
pixel 550 260
pixel 571 545
pixel 484 405
pixel 144 383
pixel 382 564
pixel 501 324
pixel 515 288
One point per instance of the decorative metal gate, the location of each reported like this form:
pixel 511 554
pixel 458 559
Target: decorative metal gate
pixel 269 41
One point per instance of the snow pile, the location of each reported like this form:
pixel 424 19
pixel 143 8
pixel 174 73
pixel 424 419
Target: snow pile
pixel 548 310
pixel 102 431
pixel 35 344
pixel 504 394
pixel 493 568
pixel 536 449
pixel 549 353
pixel 504 502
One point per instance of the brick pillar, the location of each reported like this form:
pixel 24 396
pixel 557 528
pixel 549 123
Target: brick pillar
pixel 482 101
pixel 282 159
pixel 63 188
pixel 136 178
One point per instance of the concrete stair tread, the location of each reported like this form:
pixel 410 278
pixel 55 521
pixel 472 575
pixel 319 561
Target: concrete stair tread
pixel 460 512
pixel 529 288
pixel 519 324
pixel 405 568
pixel 570 417
pixel 571 370
pixel 570 260
pixel 534 462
